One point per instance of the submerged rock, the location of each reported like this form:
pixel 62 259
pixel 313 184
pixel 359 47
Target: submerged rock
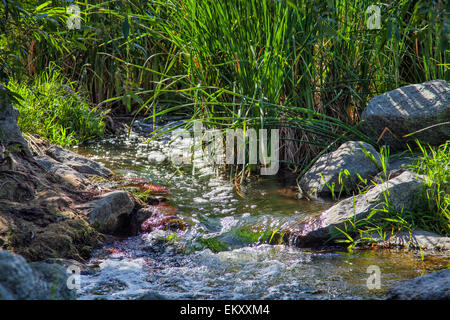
pixel 110 213
pixel 433 286
pixel 409 109
pixel 77 162
pixel 349 156
pixel 23 281
pixel 403 191
pixel 162 217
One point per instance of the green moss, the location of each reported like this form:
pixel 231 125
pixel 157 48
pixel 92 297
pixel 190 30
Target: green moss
pixel 213 244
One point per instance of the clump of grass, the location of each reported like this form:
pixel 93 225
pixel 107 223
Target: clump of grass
pixel 53 110
pixel 434 164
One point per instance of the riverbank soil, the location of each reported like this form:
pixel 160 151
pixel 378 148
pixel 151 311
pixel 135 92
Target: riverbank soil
pixel 38 215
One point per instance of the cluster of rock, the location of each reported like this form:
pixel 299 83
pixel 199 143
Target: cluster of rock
pixel 356 165
pixel 112 211
pixel 51 205
pixel 390 118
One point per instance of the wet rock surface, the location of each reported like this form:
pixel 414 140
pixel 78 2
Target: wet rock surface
pixel 402 190
pixel 326 170
pixel 111 212
pixel 434 286
pixel 409 109
pixel 68 174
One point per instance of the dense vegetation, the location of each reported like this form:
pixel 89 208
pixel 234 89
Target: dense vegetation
pixel 306 67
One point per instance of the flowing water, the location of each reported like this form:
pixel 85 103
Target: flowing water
pixel 224 252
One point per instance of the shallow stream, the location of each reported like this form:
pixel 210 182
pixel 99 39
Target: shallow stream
pixel 224 252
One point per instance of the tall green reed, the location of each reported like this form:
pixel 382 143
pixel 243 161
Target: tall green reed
pixel 305 67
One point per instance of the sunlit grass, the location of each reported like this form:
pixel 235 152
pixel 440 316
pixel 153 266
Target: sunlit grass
pixel 52 110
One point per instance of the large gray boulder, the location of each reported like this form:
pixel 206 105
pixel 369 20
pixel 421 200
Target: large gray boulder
pixel 5 294
pixel 433 286
pixel 349 156
pixel 111 213
pixel 409 109
pixel 402 190
pixel 23 281
pixel 78 162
